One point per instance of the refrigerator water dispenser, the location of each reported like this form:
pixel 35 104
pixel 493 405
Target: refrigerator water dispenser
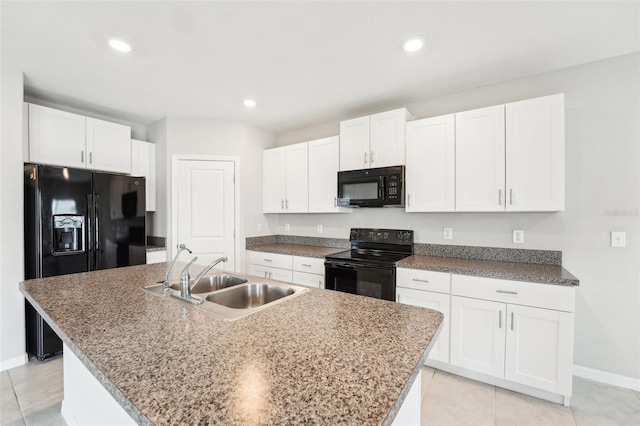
pixel 68 234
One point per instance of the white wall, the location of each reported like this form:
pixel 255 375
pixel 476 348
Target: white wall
pixel 602 107
pixel 174 136
pixel 12 333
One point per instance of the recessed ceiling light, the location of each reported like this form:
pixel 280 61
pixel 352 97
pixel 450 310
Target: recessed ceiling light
pixel 119 45
pixel 413 44
pixel 249 103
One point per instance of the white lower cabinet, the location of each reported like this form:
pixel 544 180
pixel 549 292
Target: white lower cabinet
pixel 301 270
pixel 156 256
pixel 427 289
pixel 505 329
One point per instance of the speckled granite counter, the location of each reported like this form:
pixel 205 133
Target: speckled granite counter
pixel 155 248
pixel 537 273
pixel 323 357
pixel 297 249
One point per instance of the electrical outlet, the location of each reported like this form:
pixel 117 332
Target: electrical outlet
pixel 618 239
pixel 319 229
pixel 518 236
pixel 259 227
pixel 287 228
pixel 448 233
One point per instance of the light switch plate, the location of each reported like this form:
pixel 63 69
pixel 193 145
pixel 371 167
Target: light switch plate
pixel 618 239
pixel 319 229
pixel 448 233
pixel 259 227
pixel 287 228
pixel 518 236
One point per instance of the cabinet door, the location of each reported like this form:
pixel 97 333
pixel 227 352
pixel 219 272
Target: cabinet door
pixel 478 335
pixel 273 180
pixel 308 280
pixel 285 275
pixel 108 146
pixel 324 163
pixel 297 178
pixel 143 163
pixel 438 302
pixel 539 348
pixel 354 144
pixel 56 137
pixel 535 154
pixel 430 167
pixel 387 139
pixel 480 161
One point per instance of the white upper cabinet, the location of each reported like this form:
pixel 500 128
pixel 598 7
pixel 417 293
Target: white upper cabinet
pixel 373 141
pixel 297 180
pixel 324 163
pixel 354 146
pixel 143 163
pixel 535 154
pixel 285 179
pixel 64 139
pixel 56 137
pixel 273 180
pixel 108 146
pixel 480 160
pixel 430 169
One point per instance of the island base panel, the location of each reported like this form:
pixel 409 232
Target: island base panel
pixel 86 401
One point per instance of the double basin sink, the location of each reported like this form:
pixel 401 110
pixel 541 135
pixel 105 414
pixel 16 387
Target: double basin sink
pixel 230 297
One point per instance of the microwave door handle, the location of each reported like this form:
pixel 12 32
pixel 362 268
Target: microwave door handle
pixel 381 190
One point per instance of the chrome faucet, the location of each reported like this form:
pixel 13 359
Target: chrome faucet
pixel 165 283
pixel 186 285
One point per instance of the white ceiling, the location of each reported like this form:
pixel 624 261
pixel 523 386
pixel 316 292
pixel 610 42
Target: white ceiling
pixel 304 62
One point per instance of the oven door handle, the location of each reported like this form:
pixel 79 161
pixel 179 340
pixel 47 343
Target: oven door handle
pixel 340 265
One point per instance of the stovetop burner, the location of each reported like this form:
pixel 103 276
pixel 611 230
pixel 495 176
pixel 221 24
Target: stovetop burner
pixel 377 246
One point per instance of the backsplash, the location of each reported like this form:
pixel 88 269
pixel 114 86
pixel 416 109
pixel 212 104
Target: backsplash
pixel 498 254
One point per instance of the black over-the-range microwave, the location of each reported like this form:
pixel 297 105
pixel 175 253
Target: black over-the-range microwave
pixel 379 187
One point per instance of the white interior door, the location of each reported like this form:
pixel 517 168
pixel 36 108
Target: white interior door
pixel 205 201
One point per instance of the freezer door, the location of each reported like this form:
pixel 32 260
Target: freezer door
pixel 118 221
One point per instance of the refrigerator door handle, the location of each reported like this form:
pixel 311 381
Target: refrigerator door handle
pixel 90 226
pixel 96 218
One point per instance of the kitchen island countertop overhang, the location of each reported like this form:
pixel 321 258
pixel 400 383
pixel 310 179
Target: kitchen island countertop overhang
pixel 323 357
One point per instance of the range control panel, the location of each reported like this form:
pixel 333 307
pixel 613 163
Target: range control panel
pixel 374 235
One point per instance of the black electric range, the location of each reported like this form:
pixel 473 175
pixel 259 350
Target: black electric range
pixel 368 269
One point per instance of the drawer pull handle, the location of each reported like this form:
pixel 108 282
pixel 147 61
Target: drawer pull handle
pixel 422 281
pixel 511 321
pixel 268 260
pixel 500 320
pixel 305 264
pixel 507 292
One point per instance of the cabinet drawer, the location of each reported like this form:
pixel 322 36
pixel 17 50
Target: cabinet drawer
pixel 273 260
pixel 309 280
pixel 423 280
pixel 517 292
pixel 271 273
pixel 156 256
pixel 312 265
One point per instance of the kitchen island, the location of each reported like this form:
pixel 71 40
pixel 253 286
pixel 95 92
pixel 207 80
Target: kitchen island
pixel 323 357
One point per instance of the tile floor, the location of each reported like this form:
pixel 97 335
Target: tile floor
pixel 32 395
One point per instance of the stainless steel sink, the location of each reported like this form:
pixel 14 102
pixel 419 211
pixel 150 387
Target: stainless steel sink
pixel 230 297
pixel 211 283
pixel 250 295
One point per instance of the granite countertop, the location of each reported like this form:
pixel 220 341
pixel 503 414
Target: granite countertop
pixel 323 357
pixel 538 273
pixel 155 248
pixel 297 249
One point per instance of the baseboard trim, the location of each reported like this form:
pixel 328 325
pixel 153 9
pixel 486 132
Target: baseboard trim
pixel 14 362
pixel 606 377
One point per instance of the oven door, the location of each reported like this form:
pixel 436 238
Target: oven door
pixel 365 280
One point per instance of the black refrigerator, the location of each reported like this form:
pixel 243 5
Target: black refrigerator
pixel 76 221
